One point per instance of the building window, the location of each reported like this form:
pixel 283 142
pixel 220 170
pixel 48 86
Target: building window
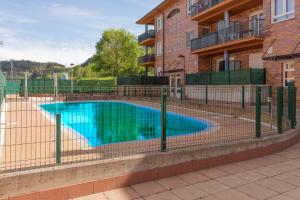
pixel 158 49
pixel 159 23
pixel 189 37
pixel 282 10
pixel 189 7
pixel 288 73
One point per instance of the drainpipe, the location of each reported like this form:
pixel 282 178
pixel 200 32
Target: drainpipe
pixel 226 54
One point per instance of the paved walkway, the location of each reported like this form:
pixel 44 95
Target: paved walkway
pixel 274 177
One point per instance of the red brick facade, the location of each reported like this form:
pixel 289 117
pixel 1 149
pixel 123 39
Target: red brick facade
pixel 281 38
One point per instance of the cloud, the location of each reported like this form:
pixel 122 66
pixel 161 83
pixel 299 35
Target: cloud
pixel 45 51
pixel 70 11
pixel 15 18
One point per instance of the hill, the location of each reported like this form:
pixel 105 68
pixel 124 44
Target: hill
pixel 35 69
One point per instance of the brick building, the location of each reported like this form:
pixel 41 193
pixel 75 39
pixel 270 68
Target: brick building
pixel 190 36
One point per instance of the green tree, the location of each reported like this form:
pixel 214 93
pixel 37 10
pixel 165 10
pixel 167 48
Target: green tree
pixel 117 53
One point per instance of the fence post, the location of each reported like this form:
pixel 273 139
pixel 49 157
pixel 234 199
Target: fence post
pixel 58 139
pixel 270 98
pixel 163 119
pixel 206 94
pixel 55 86
pixel 279 108
pixel 292 105
pixel 243 96
pixel 26 86
pixel 258 112
pixel 181 93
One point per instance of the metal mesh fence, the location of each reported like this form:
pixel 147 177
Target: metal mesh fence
pixel 46 129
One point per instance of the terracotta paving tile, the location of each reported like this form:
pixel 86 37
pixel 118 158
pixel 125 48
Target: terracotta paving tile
pixel 210 198
pixel 98 196
pixel 268 171
pixel 295 163
pixel 276 185
pixel 295 172
pixel 211 187
pixel 232 195
pixel 231 169
pixel 148 188
pixel 193 177
pixel 263 161
pixel 257 191
pixel 123 193
pixel 232 181
pixel 289 178
pixel 163 196
pixel 283 167
pixel 172 183
pixel 281 197
pixel 213 173
pixel 247 165
pixel 189 192
pixel 294 193
pixel 276 158
pixel 251 176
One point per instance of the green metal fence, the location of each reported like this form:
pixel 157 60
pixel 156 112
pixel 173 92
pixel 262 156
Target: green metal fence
pixel 237 77
pixel 62 128
pixel 143 80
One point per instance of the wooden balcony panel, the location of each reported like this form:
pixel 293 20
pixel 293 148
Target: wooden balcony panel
pixel 148 42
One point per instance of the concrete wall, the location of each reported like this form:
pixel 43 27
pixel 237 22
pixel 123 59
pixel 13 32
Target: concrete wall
pixel 83 179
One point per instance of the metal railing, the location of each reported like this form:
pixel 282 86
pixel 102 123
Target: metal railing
pixel 235 31
pixel 203 5
pixel 143 80
pixel 146 59
pixel 147 35
pixel 62 128
pixel 234 77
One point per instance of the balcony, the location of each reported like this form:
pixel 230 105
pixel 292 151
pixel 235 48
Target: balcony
pixel 147 38
pixel 147 60
pixel 211 11
pixel 238 36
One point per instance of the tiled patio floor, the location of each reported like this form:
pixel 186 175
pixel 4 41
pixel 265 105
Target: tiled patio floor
pixel 274 177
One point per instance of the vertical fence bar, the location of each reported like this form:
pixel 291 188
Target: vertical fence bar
pixel 279 108
pixel 26 86
pixel 181 93
pixel 292 105
pixel 163 119
pixel 243 96
pixel 58 139
pixel 270 99
pixel 258 112
pixel 55 87
pixel 206 94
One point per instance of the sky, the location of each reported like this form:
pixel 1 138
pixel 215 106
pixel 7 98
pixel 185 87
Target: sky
pixel 64 31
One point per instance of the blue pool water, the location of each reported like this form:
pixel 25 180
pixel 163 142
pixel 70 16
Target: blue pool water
pixel 105 122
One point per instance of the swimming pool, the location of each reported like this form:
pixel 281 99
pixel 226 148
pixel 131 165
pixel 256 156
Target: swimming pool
pixel 107 122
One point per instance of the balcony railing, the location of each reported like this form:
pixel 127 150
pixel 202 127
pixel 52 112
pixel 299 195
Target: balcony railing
pixel 235 31
pixel 203 5
pixel 147 59
pixel 232 77
pixel 147 35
